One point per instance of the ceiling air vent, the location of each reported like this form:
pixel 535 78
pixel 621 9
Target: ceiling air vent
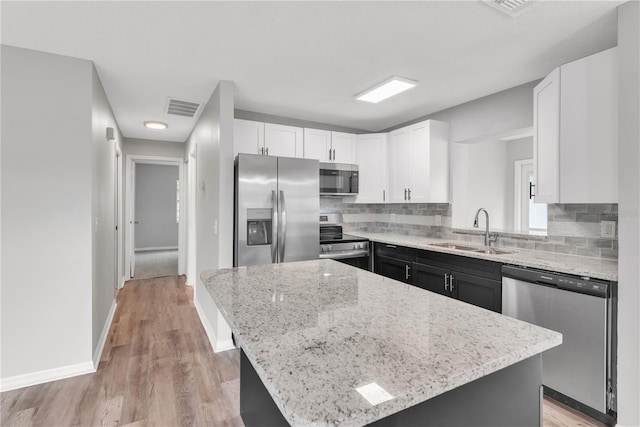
pixel 510 7
pixel 183 108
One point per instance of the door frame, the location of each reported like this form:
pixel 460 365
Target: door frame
pixel 131 160
pixel 517 202
pixel 192 177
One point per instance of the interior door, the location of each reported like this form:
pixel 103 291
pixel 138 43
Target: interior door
pixel 132 222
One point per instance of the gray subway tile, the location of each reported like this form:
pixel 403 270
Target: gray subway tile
pixel 609 253
pixel 547 247
pixel 564 249
pixel 587 217
pixel 600 243
pixel 591 252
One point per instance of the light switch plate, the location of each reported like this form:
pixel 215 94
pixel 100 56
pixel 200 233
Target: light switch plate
pixel 608 229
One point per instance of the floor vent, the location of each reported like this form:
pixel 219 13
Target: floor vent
pixel 183 108
pixel 510 7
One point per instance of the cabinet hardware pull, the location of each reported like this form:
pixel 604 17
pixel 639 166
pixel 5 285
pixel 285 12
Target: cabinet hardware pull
pixel 261 151
pixel 406 271
pixel 267 151
pixel 409 194
pixel 334 154
pixel 446 281
pixel 531 185
pixel 451 283
pixel 392 246
pixel 405 194
pixel 329 153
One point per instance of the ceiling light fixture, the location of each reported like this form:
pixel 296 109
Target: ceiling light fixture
pixel 156 125
pixel 392 86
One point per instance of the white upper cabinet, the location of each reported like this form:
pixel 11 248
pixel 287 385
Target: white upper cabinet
pixel 371 157
pixel 546 138
pixel 317 144
pixel 248 137
pixel 419 163
pixel 576 132
pixel 285 141
pixel 327 146
pixel 343 147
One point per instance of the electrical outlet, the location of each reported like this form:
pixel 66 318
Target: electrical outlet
pixel 438 219
pixel 608 229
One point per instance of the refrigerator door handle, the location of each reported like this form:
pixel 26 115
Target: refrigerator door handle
pixel 283 226
pixel 274 227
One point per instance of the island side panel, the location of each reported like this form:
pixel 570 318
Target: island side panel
pixel 257 408
pixel 509 397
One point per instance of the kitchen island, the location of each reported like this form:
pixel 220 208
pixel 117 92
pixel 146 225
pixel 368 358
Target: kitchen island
pixel 324 343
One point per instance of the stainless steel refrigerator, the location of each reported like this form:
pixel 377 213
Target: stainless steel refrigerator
pixel 276 210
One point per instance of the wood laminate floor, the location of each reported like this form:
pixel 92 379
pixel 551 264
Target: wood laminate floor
pixel 158 369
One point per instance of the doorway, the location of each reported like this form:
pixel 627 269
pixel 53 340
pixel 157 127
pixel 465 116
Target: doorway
pixel 530 217
pixel 154 209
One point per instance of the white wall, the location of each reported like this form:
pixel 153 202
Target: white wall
pixel 156 206
pixel 518 149
pixel 104 214
pixel 629 216
pixel 213 137
pixel 149 147
pixel 491 115
pixel 46 215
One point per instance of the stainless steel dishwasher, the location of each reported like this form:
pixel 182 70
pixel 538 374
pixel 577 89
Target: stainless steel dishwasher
pixel 578 372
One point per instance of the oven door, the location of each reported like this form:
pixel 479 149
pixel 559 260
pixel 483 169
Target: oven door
pixel 336 178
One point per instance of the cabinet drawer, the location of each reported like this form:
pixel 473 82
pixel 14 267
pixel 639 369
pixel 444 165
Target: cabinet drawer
pixel 476 267
pixel 394 251
pixel 393 268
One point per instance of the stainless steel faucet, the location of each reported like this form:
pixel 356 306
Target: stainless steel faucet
pixel 488 238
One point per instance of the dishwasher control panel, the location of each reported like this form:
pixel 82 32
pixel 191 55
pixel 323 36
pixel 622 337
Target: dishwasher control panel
pixel 582 285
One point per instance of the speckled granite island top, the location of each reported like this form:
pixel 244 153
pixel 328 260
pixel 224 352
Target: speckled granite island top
pixel 594 268
pixel 315 331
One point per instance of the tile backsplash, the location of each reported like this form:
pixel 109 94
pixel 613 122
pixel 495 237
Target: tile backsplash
pixel 572 228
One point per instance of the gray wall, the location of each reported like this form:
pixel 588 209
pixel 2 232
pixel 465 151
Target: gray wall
pixel 156 206
pixel 212 138
pixel 493 114
pixel 629 204
pixel 149 147
pixel 104 210
pixel 46 211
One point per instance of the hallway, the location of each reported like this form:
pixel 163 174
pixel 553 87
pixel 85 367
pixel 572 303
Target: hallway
pixel 153 264
pixel 157 368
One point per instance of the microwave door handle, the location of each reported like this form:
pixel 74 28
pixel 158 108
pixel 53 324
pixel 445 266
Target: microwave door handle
pixel 274 227
pixel 283 226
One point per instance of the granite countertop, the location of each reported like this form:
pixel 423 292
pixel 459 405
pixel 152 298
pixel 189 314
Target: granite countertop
pixel 315 331
pixel 594 268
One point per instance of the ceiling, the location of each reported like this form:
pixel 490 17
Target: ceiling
pixel 307 60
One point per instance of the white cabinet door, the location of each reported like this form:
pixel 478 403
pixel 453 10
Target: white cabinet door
pixel 439 190
pixel 248 137
pixel 546 138
pixel 589 129
pixel 371 157
pixel 317 144
pixel 343 147
pixel 419 163
pixel 399 150
pixel 285 141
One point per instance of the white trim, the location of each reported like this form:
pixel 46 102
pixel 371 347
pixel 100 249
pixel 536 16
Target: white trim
pixel 157 248
pixel 130 159
pixel 103 336
pixel 210 331
pixel 517 174
pixel 39 377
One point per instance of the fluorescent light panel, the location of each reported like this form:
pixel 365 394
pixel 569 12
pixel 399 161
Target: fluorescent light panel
pixel 386 89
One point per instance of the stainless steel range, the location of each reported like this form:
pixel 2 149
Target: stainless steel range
pixel 334 244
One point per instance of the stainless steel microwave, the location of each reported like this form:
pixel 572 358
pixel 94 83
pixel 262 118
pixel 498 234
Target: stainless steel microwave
pixel 338 179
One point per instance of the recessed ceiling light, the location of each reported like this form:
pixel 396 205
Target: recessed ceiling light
pixel 156 125
pixel 388 88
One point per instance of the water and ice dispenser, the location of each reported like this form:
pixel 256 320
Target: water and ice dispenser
pixel 259 226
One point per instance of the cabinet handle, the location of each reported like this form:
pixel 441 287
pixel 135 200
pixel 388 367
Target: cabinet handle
pixel 407 269
pixel 409 194
pixel 451 283
pixel 267 151
pixel 383 196
pixel 334 154
pixel 531 185
pixel 329 153
pixel 405 194
pixel 261 151
pixel 446 281
pixel 391 246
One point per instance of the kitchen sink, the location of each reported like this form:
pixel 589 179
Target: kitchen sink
pixel 455 246
pixel 490 251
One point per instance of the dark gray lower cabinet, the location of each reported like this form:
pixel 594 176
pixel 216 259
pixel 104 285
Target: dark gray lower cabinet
pixel 472 280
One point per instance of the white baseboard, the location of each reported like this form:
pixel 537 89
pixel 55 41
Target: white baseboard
pixel 217 346
pixel 26 380
pixel 103 336
pixel 157 248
